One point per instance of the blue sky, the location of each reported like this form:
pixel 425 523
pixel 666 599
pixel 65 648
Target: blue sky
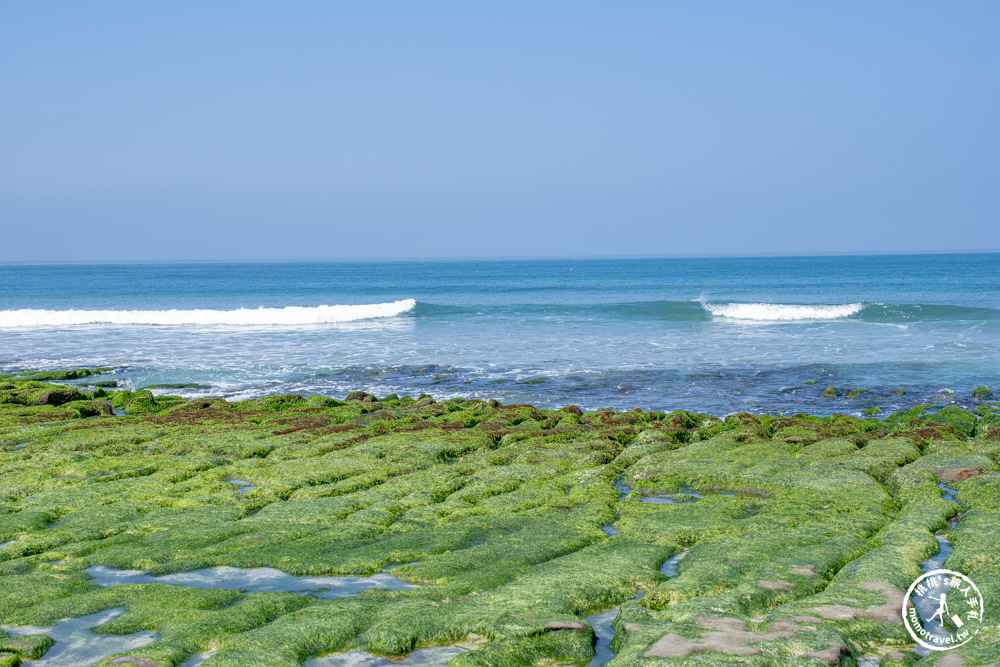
pixel 253 130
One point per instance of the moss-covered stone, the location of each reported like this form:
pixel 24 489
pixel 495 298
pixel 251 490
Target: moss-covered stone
pixel 28 647
pixel 495 512
pixel 982 394
pixel 830 392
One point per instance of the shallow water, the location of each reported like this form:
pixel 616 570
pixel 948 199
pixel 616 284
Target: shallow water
pixel 426 657
pixel 604 624
pixel 926 607
pixel 604 627
pixel 609 530
pixel 252 581
pixel 669 566
pixel 620 487
pixel 241 485
pixel 77 646
pixel 681 498
pixel 197 659
pixel 936 562
pixel 393 567
pixel 949 494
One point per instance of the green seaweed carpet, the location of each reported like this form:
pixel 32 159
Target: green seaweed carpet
pixel 805 536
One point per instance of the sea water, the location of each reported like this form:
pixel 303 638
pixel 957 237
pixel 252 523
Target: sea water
pixel 717 335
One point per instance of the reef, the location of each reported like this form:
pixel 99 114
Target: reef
pixel 763 540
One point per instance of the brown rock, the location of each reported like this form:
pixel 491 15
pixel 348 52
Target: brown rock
pixel 721 623
pixel 777 585
pixel 958 473
pixel 806 571
pixel 566 625
pixel 729 635
pixel 891 611
pixel 830 655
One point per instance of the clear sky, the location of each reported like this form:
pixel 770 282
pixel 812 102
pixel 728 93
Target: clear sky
pixel 270 130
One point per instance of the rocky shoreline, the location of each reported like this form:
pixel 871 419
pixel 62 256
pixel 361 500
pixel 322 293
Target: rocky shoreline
pixel 510 525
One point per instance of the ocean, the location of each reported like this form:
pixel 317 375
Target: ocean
pixel 716 335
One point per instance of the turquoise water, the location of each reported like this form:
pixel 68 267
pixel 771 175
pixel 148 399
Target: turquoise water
pixel 718 335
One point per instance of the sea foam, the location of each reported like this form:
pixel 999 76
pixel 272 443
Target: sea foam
pixel 288 316
pixel 777 312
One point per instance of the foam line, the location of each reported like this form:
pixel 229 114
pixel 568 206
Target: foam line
pixel 288 316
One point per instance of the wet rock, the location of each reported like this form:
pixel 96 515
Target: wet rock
pixel 86 409
pixel 572 409
pixel 29 647
pixel 58 396
pixel 830 655
pixel 566 625
pixel 982 394
pixel 959 473
pixel 728 635
pixel 830 392
pixel 888 612
pixel 777 585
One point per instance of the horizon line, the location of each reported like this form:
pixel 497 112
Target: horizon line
pixel 522 258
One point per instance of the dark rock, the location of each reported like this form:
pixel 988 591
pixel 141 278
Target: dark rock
pixel 982 394
pixel 572 409
pixel 59 396
pixel 86 409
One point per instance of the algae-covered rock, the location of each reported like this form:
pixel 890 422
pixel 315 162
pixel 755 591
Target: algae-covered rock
pixel 58 396
pixel 799 533
pixel 961 420
pixel 142 401
pixel 91 408
pixel 982 394
pixel 854 393
pixel 324 401
pixel 29 647
pixel 830 392
pixel 56 376
pixel 10 660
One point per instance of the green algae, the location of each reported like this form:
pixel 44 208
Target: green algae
pixel 495 512
pixel 982 394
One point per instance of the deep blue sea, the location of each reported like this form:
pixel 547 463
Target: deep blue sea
pixel 718 335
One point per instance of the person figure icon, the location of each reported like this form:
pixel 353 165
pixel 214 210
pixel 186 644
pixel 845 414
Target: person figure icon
pixel 942 608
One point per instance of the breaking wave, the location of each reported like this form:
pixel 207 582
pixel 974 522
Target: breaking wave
pixel 777 312
pixel 287 316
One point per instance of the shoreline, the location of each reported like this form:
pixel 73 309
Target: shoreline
pixel 507 528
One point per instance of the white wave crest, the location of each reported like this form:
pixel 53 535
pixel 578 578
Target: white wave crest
pixel 777 312
pixel 288 316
